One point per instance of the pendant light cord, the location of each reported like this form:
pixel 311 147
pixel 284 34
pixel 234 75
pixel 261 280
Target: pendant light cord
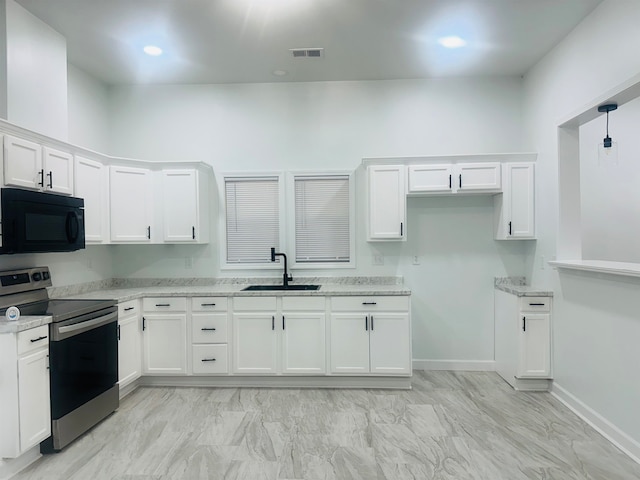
pixel 607 123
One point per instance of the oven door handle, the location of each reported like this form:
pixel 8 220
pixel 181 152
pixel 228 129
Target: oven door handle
pixel 60 333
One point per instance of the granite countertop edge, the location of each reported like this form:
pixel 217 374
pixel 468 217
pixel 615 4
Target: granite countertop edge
pixel 524 290
pixel 24 323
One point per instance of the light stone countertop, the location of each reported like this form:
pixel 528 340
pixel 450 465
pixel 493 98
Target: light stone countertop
pixel 516 286
pixel 24 323
pixel 235 290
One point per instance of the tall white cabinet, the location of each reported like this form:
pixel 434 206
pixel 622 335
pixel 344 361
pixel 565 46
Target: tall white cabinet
pixel 514 210
pixel 387 202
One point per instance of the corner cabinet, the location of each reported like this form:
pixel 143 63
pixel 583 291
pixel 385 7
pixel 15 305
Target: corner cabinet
pixel 131 202
pixel 387 202
pixel 185 205
pixel 514 210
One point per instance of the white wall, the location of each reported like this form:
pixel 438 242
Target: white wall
pixel 88 110
pixel 596 323
pixel 36 73
pixel 333 125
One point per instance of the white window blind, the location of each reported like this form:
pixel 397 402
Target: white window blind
pixel 253 219
pixel 322 219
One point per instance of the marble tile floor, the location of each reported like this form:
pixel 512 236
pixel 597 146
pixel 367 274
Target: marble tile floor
pixel 452 425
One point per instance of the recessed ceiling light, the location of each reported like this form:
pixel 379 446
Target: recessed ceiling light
pixel 152 50
pixel 279 73
pixel 452 42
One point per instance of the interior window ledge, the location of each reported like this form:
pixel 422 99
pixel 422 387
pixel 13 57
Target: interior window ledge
pixel 625 269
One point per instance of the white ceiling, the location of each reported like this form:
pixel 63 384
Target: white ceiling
pixel 237 41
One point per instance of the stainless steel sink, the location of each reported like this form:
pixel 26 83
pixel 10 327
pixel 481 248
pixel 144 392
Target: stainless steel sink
pixel 262 288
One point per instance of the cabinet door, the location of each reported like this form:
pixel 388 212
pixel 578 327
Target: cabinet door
pixel 129 357
pixel 165 344
pixel 535 346
pixel 180 206
pixel 58 175
pixel 254 343
pixel 33 392
pixel 350 343
pixel 479 177
pixel 390 345
pixel 131 200
pixel 303 343
pixel 91 184
pixel 520 200
pixel 387 202
pixel 430 178
pixel 23 163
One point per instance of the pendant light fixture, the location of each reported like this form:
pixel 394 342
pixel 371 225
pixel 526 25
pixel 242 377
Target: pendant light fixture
pixel 608 149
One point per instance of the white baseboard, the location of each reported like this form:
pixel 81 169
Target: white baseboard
pixel 456 365
pixel 10 467
pixel 607 429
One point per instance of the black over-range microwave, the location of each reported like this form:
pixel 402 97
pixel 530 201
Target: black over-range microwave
pixel 41 222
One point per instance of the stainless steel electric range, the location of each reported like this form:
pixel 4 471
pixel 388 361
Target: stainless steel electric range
pixel 83 353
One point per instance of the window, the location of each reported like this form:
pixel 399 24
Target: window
pixel 322 219
pixel 253 219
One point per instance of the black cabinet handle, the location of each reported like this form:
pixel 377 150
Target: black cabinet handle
pixel 193 233
pixel 129 308
pixel 144 324
pixel 41 182
pixel 207 304
pixel 163 304
pixel 537 304
pixel 449 181
pixel 369 303
pixel 118 332
pixel 34 340
pixel 509 228
pixel 372 323
pixel 149 232
pixel 273 323
pixel 366 322
pixel 208 329
pixel 524 324
pixel 282 322
pixel 208 359
pixel 460 181
pixel 401 228
pixel 50 175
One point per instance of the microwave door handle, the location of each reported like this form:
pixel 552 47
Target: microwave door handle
pixel 72 227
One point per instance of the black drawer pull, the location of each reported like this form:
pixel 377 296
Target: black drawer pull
pixel 163 304
pixel 207 304
pixel 369 303
pixel 34 340
pixel 208 359
pixel 537 304
pixel 129 308
pixel 524 324
pixel 208 329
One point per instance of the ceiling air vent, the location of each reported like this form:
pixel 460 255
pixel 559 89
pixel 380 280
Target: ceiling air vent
pixel 307 52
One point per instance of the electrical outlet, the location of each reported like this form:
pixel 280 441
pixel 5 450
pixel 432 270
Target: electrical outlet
pixel 188 262
pixel 378 259
pixel 415 260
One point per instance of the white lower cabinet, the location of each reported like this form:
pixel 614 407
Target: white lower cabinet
pixel 25 414
pixel 209 336
pixel 129 342
pixel 523 340
pixel 303 335
pixel 164 334
pixel 370 335
pixel 255 340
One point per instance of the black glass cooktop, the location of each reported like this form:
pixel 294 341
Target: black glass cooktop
pixel 62 310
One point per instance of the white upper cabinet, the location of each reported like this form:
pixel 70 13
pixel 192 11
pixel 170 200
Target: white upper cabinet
pixel 481 177
pixel 515 208
pixel 23 163
pixel 28 165
pixel 91 184
pixel 387 202
pixel 185 206
pixel 58 168
pixel 131 202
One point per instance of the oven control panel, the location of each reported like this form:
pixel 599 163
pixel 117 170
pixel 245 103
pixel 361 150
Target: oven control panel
pixel 24 280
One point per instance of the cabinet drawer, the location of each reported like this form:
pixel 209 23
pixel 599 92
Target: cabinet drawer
pixel 164 304
pixel 535 304
pixel 254 303
pixel 126 309
pixel 210 359
pixel 209 327
pixel 362 303
pixel 209 304
pixel 303 304
pixel 33 339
